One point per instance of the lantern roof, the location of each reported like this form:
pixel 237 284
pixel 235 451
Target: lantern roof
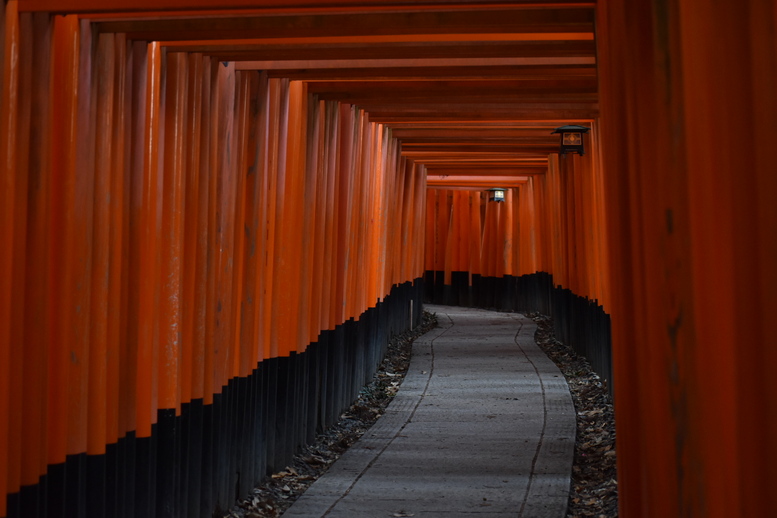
pixel 571 128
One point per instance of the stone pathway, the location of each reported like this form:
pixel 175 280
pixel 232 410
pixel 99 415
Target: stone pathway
pixel 483 426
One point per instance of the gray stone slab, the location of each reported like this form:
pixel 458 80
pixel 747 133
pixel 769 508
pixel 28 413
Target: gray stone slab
pixel 482 426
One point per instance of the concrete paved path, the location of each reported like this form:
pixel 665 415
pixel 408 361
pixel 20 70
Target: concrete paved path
pixel 483 426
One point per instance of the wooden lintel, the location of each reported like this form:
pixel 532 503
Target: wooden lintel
pixel 314 51
pixel 441 72
pixel 483 112
pixel 419 63
pixel 515 20
pixel 153 7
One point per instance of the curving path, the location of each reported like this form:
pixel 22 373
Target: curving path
pixel 483 426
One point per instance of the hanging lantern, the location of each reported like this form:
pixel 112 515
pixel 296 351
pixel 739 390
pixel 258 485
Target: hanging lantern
pixel 496 194
pixel 571 139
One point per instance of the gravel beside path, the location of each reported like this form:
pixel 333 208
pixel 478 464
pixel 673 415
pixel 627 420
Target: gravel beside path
pixel 594 491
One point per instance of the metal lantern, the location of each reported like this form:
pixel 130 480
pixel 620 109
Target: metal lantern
pixel 572 139
pixel 496 194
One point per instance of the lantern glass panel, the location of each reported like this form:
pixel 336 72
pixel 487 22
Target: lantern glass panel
pixel 572 139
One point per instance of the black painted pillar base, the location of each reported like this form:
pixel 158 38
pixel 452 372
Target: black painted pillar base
pixel 205 457
pixel 578 322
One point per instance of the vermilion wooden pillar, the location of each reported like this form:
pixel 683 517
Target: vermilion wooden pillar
pixel 652 318
pixel 728 94
pixel 687 145
pixel 8 97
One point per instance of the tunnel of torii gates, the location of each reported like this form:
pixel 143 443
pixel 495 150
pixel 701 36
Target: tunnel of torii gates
pixel 213 215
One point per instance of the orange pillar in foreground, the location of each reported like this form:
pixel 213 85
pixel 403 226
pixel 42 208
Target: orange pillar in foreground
pixel 688 141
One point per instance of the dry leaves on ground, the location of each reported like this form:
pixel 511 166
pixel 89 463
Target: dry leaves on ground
pixel 278 492
pixel 594 491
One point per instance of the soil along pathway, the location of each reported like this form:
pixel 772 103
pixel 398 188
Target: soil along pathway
pixel 482 425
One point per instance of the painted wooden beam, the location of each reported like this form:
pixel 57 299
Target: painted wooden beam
pixel 496 72
pixel 269 50
pixel 496 21
pixel 133 6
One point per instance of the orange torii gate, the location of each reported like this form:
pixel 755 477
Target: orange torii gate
pixel 196 261
pixel 543 248
pixel 189 240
